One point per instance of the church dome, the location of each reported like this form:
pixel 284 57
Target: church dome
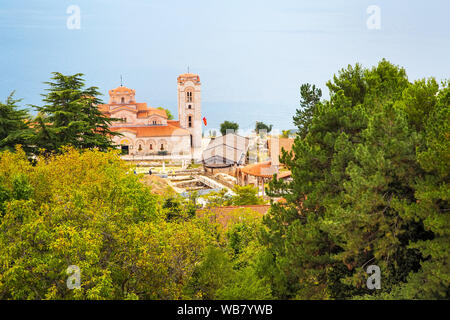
pixel 122 89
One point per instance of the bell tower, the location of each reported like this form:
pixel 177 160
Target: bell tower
pixel 190 107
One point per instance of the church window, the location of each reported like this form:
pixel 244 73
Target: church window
pixel 190 106
pixel 189 96
pixel 151 146
pixel 123 100
pixel 190 121
pixel 162 146
pixel 140 148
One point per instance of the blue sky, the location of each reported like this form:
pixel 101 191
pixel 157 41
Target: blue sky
pixel 251 56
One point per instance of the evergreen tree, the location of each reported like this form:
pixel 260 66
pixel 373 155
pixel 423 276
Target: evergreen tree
pixel 354 194
pixel 14 126
pixel 432 281
pixel 70 116
pixel 310 97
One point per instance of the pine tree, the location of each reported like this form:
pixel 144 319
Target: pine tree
pixel 14 126
pixel 70 116
pixel 310 97
pixel 354 192
pixel 432 281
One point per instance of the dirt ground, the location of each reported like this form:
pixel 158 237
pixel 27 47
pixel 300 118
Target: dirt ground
pixel 159 185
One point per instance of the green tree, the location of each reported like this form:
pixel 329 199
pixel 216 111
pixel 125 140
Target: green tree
pixel 168 113
pixel 70 116
pixel 432 280
pixel 14 126
pixel 418 100
pixel 245 195
pixel 87 209
pixel 245 285
pixel 228 125
pixel 231 271
pixel 286 133
pixel 310 97
pixel 211 274
pixel 354 181
pixel 262 126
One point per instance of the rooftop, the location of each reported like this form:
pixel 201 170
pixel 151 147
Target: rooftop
pixel 153 131
pixel 122 89
pixel 264 170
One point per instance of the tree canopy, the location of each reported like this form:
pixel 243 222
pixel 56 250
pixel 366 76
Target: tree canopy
pixel 14 126
pixel 370 186
pixel 228 126
pixel 88 209
pixel 261 126
pixel 71 117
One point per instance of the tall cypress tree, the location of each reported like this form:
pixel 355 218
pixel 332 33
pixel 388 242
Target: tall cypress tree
pixel 70 116
pixel 14 126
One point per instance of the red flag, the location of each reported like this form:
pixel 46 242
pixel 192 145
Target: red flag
pixel 204 121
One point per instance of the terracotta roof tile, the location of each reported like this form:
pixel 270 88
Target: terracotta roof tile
pixel 121 89
pixel 285 143
pixel 175 123
pixel 141 106
pixel 264 170
pixel 153 131
pixel 188 76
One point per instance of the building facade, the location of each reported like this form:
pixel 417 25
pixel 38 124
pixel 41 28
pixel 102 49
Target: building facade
pixel 146 131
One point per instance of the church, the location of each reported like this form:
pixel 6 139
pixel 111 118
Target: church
pixel 146 131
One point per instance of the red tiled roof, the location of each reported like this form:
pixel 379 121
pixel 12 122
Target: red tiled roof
pixel 103 108
pixel 141 106
pixel 121 89
pixel 283 143
pixel 188 76
pixel 153 131
pixel 264 170
pixel 141 109
pixel 175 123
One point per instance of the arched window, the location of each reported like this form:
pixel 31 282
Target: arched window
pixel 123 100
pixel 162 146
pixel 140 148
pixel 151 146
pixel 190 106
pixel 189 96
pixel 190 121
